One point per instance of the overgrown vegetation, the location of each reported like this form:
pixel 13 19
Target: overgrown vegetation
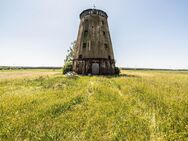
pixel 137 105
pixel 117 70
pixel 68 62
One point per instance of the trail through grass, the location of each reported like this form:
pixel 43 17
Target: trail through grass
pixel 138 105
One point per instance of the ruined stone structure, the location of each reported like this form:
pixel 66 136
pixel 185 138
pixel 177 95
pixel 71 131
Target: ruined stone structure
pixel 94 52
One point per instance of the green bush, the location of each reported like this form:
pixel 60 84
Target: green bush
pixel 117 70
pixel 69 57
pixel 67 67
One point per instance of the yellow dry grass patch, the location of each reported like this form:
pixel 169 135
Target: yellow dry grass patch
pixel 5 75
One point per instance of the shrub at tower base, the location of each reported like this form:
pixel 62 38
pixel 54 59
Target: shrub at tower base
pixel 67 67
pixel 68 60
pixel 117 71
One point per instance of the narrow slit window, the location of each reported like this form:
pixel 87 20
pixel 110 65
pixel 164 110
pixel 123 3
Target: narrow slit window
pixel 102 22
pixel 80 56
pixel 104 33
pixel 85 33
pixel 106 45
pixel 84 45
pixel 109 57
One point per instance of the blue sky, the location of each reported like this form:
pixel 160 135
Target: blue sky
pixel 145 33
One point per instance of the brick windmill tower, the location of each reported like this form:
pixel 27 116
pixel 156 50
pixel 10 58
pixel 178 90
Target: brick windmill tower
pixel 94 52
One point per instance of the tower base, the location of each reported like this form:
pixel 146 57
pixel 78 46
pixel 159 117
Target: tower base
pixel 94 66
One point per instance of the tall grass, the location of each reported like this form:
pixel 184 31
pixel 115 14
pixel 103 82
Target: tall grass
pixel 138 105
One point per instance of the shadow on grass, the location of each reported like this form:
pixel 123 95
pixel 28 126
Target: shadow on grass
pixel 121 75
pixel 107 76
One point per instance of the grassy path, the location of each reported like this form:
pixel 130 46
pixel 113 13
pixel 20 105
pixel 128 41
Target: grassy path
pixel 141 105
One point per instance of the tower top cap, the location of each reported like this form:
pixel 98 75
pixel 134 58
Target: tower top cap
pixel 93 11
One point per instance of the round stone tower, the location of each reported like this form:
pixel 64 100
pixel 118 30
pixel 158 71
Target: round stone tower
pixel 94 52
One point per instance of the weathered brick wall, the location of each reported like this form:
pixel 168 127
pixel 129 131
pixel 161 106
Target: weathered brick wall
pixel 94 43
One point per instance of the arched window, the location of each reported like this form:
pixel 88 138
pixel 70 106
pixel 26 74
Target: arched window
pixel 109 57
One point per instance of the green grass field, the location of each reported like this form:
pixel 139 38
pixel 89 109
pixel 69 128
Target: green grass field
pixel 137 105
